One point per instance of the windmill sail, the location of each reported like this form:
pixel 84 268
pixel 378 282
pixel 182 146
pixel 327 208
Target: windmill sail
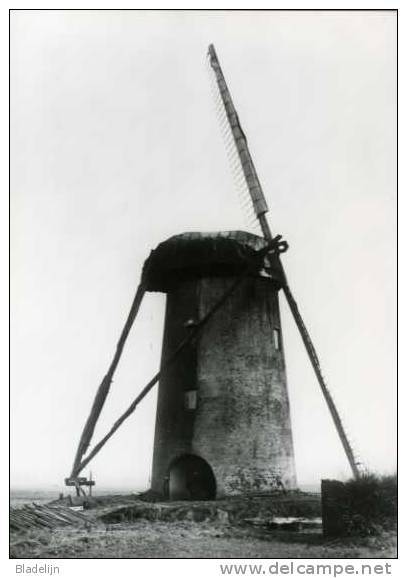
pixel 252 181
pixel 260 209
pixel 272 250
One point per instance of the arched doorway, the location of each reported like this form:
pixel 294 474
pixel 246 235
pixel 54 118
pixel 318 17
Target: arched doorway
pixel 191 478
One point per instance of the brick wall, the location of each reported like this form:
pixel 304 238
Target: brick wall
pixel 241 425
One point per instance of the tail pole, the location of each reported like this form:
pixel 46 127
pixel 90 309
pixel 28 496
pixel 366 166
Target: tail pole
pixel 260 209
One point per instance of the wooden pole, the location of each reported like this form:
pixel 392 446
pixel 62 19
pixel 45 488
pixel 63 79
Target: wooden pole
pixel 104 387
pixel 260 210
pixel 193 333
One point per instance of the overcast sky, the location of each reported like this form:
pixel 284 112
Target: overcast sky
pixel 115 146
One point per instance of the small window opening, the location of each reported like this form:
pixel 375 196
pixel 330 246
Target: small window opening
pixel 276 338
pixel 190 399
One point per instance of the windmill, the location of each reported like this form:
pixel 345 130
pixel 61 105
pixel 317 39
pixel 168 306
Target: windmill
pixel 223 421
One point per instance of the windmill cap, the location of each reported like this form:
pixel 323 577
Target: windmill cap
pixel 195 255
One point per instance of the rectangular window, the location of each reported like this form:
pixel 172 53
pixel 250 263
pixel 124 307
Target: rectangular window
pixel 276 338
pixel 190 399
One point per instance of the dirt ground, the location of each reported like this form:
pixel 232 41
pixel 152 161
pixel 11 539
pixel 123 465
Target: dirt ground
pixel 184 539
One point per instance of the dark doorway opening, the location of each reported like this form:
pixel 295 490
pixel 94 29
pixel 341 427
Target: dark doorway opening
pixel 191 478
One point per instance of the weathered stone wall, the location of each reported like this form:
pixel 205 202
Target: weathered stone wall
pixel 241 425
pixel 174 424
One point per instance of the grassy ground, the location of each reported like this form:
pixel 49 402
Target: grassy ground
pixel 126 527
pixel 183 539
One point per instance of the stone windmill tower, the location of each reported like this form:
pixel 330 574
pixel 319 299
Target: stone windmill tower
pixel 223 420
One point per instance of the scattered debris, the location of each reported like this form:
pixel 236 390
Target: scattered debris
pixel 46 516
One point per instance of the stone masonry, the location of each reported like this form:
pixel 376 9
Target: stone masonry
pixel 225 399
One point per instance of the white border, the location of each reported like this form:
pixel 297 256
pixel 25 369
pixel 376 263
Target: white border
pixel 181 567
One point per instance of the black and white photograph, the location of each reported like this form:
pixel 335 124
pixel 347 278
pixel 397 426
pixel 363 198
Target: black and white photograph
pixel 203 286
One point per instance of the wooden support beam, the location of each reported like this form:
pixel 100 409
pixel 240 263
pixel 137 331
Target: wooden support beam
pixel 272 246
